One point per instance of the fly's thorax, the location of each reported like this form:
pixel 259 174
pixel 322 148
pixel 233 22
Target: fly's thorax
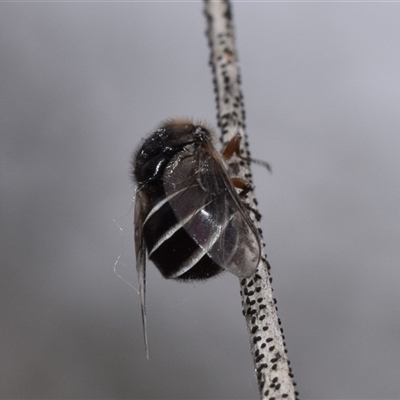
pixel 159 148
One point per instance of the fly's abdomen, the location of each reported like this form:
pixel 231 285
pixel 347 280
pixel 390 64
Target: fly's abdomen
pixel 175 253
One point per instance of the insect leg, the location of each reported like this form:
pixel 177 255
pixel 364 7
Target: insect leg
pixel 233 148
pixel 242 184
pixel 246 187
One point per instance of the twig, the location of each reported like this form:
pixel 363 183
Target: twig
pixel 273 372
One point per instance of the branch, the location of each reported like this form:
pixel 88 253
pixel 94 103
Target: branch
pixel 274 376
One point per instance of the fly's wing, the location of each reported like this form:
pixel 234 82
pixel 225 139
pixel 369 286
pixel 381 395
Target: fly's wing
pixel 207 205
pixel 140 250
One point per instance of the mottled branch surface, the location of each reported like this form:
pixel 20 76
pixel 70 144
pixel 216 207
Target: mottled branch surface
pixel 272 368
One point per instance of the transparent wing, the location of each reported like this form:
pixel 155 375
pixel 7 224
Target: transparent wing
pixel 140 250
pixel 208 207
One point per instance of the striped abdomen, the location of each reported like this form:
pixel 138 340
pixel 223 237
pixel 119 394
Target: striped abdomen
pixel 170 247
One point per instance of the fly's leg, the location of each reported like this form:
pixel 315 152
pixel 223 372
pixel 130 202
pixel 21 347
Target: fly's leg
pixel 233 148
pixel 242 184
pixel 246 187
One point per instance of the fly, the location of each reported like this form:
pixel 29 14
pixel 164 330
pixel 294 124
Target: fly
pixel 189 217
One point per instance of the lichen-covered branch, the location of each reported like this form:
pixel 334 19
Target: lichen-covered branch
pixel 272 368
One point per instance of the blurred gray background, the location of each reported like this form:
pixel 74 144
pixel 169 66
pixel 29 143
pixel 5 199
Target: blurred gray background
pixel 82 83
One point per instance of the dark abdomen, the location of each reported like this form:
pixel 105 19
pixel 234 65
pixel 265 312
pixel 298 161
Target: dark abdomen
pixel 175 253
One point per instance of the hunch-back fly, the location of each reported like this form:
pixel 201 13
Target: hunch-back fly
pixel 189 216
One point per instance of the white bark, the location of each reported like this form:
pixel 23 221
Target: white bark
pixel 271 364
